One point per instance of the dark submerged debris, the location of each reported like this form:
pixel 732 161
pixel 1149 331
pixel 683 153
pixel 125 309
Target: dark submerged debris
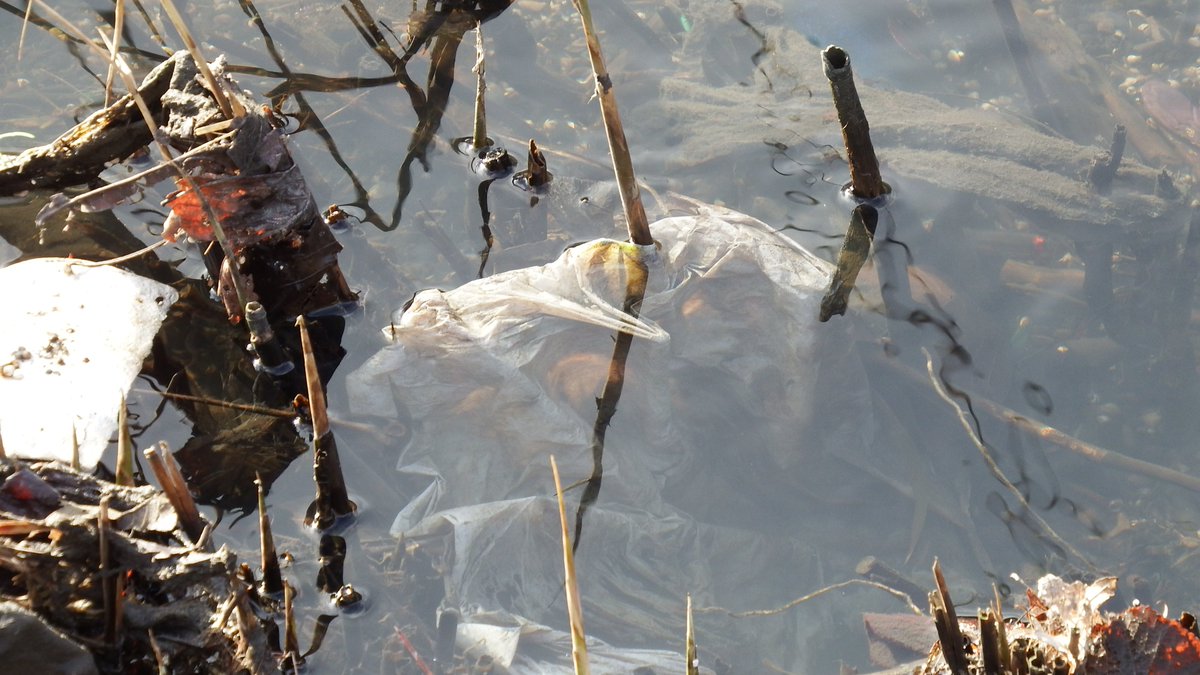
pixel 1041 106
pixel 1104 167
pixel 108 568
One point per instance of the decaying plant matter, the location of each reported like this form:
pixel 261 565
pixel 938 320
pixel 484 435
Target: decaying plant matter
pixel 67 538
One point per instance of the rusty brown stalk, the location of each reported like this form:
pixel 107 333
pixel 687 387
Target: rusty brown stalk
pixel 162 463
pixel 856 133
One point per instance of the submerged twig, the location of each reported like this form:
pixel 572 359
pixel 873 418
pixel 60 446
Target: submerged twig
pixel 1061 440
pixel 855 248
pixel 994 468
pixel 1043 111
pixel 751 613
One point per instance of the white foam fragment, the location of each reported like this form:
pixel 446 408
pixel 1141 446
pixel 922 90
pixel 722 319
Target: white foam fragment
pixel 72 340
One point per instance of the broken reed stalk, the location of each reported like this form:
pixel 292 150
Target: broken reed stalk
pixel 272 576
pixel 865 180
pixel 291 643
pixel 75 461
pixel 124 447
pixel 989 642
pixel 479 138
pixel 574 608
pixel 166 471
pixel 946 620
pixel 332 501
pixel 272 359
pixel 693 661
pixel 536 172
pixel 618 147
pixel 1006 662
pixel 850 260
pixel 108 579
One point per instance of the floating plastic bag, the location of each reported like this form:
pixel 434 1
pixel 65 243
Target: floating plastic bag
pixel 733 397
pixel 74 339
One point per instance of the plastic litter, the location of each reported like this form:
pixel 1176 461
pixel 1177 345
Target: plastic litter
pixel 727 404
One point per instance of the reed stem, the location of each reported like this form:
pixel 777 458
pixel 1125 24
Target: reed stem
pixel 856 133
pixel 618 147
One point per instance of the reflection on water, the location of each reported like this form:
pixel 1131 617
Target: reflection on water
pixel 1043 300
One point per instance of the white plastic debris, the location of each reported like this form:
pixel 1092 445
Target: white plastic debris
pixel 735 401
pixel 72 339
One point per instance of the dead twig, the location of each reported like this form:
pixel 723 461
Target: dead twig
pixel 754 613
pixel 1046 531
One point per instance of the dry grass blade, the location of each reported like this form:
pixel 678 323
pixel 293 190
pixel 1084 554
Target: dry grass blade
pixel 618 147
pixel 574 609
pixel 230 107
pixel 118 26
pixel 693 661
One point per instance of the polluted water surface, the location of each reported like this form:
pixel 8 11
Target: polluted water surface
pixel 1009 389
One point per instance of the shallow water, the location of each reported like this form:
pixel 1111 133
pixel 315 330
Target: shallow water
pixel 920 489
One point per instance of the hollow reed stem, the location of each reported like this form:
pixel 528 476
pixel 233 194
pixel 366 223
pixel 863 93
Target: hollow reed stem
pixel 856 134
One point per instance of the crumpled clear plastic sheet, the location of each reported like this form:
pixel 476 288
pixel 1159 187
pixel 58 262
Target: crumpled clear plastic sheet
pixel 733 396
